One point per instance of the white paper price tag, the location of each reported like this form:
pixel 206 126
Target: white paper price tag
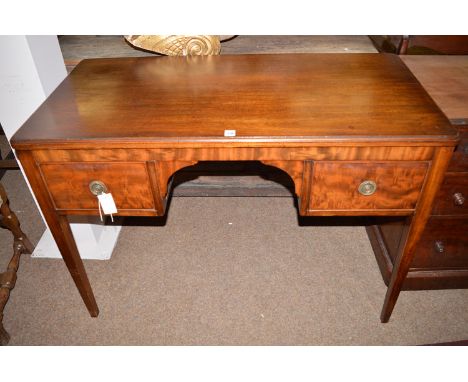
pixel 229 133
pixel 107 204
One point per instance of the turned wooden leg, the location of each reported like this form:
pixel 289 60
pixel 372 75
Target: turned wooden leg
pixel 21 244
pixel 4 336
pixel 60 229
pixel 10 222
pixel 418 223
pixel 7 283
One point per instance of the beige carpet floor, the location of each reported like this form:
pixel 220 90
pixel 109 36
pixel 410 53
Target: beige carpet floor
pixel 223 271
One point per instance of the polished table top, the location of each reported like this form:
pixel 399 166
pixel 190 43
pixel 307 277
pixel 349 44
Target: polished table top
pixel 265 98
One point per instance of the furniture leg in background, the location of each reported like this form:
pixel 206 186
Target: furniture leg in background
pixel 21 244
pixel 421 44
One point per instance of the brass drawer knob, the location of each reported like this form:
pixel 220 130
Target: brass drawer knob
pixel 458 199
pixel 368 187
pixel 97 187
pixel 439 246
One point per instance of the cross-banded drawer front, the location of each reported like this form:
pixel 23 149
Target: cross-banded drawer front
pixel 365 187
pixel 71 185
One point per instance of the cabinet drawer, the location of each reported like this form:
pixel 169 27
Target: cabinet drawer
pixel 459 160
pixel 452 198
pixel 338 186
pixel 68 184
pixel 444 244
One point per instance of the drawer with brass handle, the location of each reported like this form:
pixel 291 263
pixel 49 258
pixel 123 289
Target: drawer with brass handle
pixel 74 186
pixel 451 199
pixel 444 245
pixel 368 187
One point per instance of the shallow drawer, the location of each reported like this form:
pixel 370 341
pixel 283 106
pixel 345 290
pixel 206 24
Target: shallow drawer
pixel 68 184
pixel 444 244
pixel 459 160
pixel 452 198
pixel 366 186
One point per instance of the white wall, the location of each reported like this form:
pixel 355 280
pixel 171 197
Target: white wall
pixel 31 67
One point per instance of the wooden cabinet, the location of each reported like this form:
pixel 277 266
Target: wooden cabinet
pixel 441 256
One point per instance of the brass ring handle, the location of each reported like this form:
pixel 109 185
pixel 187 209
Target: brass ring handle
pixel 97 187
pixel 458 199
pixel 368 187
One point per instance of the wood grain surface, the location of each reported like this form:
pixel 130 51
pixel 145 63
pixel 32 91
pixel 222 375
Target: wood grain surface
pixel 68 184
pixel 67 170
pixel 334 185
pixel 265 98
pixel 219 153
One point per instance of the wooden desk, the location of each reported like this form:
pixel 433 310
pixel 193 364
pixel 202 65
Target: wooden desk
pixel 357 134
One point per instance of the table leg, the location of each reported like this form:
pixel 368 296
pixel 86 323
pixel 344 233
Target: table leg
pixel 60 229
pixel 66 243
pixel 423 210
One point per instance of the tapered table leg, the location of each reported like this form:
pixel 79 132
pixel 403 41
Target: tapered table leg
pixel 66 243
pixel 417 225
pixel 60 229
